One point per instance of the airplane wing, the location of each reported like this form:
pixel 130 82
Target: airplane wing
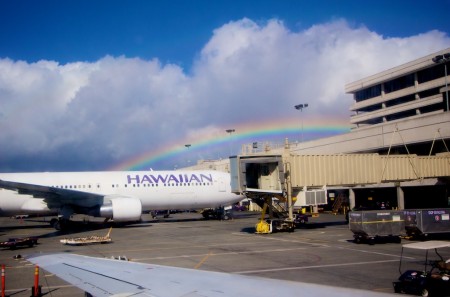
pixel 106 277
pixel 54 197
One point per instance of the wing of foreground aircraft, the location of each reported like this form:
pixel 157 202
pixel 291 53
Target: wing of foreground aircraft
pixel 106 277
pixel 47 200
pixel 54 197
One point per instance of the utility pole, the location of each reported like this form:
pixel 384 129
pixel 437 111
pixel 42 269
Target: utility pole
pixel 188 160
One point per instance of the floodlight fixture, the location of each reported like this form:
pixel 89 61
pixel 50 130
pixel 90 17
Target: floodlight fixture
pixel 301 106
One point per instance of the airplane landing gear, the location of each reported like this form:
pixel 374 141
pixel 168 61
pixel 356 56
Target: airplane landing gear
pixel 59 224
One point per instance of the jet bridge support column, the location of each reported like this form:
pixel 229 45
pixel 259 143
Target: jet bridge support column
pixel 400 197
pixel 351 198
pixel 287 180
pixel 290 203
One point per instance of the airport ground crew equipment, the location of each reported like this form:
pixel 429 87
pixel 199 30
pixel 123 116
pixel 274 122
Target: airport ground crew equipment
pixel 370 225
pixel 278 216
pixel 278 220
pixel 423 222
pixel 220 213
pixel 36 290
pixel 13 243
pixel 432 279
pixel 262 227
pixel 93 239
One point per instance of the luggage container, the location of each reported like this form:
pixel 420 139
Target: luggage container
pixel 370 225
pixel 423 222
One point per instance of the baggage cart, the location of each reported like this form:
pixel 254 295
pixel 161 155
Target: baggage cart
pixel 370 225
pixel 423 222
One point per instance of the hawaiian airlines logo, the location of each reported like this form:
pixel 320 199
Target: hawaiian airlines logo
pixel 169 178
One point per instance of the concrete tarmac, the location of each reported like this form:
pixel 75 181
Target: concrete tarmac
pixel 322 252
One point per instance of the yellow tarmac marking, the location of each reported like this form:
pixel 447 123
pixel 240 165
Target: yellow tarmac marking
pixel 202 261
pixel 387 221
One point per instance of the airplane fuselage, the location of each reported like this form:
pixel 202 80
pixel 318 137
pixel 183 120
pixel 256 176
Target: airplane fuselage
pixel 156 190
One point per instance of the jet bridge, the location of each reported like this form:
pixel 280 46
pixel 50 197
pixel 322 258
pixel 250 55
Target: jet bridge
pixel 263 177
pixel 257 174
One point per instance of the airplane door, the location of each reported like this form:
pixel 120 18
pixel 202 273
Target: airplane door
pixel 268 179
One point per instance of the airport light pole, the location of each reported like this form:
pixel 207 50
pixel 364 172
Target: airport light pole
pixel 188 146
pixel 443 59
pixel 300 107
pixel 229 131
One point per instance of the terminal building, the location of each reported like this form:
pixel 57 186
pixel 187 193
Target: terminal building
pixel 403 110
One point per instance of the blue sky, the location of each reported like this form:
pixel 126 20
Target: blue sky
pixel 174 31
pixel 85 85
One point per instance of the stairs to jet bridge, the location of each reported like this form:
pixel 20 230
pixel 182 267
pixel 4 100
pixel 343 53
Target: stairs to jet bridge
pixel 278 214
pixel 274 208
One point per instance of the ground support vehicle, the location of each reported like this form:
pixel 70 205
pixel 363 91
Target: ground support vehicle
pixel 372 225
pixel 93 239
pixel 419 223
pixel 271 225
pixel 13 243
pixel 274 225
pixel 220 213
pixel 433 279
pixel 301 219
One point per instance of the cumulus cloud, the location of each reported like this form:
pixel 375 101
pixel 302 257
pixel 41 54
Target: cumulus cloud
pixel 92 115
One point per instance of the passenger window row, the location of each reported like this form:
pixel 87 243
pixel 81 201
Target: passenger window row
pixel 75 186
pixel 167 185
pixel 134 185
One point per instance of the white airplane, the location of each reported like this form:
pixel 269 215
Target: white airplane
pixel 120 196
pixel 108 277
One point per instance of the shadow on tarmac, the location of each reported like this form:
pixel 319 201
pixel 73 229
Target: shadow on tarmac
pixel 80 224
pixel 309 225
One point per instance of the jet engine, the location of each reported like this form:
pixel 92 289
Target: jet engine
pixel 122 209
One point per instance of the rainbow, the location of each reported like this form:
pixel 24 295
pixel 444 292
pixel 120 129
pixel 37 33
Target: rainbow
pixel 244 133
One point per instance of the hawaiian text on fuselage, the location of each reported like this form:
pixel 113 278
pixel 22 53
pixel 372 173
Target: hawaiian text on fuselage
pixel 169 178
